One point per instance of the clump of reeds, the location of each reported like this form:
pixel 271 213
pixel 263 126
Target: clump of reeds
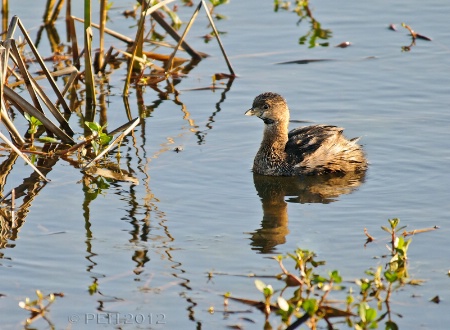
pixel 51 121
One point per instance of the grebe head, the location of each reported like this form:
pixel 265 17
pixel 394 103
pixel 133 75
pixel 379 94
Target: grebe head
pixel 270 107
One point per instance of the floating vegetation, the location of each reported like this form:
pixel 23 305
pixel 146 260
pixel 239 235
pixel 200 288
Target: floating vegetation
pixel 414 35
pixel 39 307
pixel 316 33
pixel 309 295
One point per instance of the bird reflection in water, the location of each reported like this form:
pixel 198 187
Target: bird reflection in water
pixel 275 192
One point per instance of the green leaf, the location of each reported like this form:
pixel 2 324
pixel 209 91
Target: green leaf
pixel 94 127
pixel 400 243
pixel 394 222
pixel 371 314
pixel 390 276
pixel 402 227
pixel 33 159
pixel 365 286
pixel 268 291
pixel 391 325
pixel 35 121
pixel 362 311
pixel 335 276
pixel 95 146
pixel 310 306
pixel 319 279
pixel 349 299
pixel 386 229
pixel 105 139
pixel 48 139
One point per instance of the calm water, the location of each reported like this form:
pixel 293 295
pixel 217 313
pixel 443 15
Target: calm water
pixel 149 247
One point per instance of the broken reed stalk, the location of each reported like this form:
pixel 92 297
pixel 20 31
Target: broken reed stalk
pixel 24 105
pixel 18 61
pixel 21 154
pixel 88 72
pixel 169 63
pixel 3 114
pixel 140 32
pixel 140 60
pixel 15 21
pixel 419 231
pixel 103 14
pixel 5 12
pixel 58 73
pixel 139 42
pixel 218 38
pixel 35 93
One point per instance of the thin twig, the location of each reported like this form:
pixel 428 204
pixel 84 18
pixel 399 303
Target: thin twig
pixel 419 231
pixel 139 33
pixel 218 38
pixel 157 16
pixel 369 237
pixel 13 206
pixel 169 63
pixel 112 33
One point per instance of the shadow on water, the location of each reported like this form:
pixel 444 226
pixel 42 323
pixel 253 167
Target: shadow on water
pixel 276 192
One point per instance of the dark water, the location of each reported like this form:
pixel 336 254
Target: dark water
pixel 149 247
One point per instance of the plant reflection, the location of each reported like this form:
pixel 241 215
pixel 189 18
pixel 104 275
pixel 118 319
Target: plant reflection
pixel 15 205
pixel 273 192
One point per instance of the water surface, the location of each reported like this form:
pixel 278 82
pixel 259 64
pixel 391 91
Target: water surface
pixel 148 247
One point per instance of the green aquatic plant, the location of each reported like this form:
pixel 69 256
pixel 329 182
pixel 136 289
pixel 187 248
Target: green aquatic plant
pixel 34 125
pixel 316 35
pixel 310 289
pixel 39 307
pixel 100 138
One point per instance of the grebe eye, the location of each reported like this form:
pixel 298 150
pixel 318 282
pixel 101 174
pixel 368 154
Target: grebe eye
pixel 266 107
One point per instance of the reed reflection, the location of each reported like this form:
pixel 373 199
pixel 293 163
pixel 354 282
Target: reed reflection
pixel 15 204
pixel 276 192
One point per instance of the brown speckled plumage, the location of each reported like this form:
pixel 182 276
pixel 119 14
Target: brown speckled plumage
pixel 316 149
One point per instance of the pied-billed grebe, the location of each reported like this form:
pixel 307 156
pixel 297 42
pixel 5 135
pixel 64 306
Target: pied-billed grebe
pixel 316 149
